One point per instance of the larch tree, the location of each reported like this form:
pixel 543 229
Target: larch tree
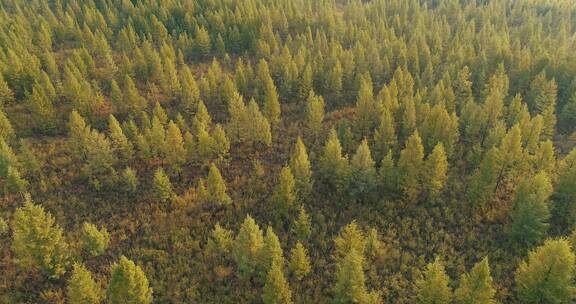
pixel 530 211
pixel 276 289
pixel 220 242
pixel 260 128
pixel 268 94
pixel 302 226
pixel 385 135
pixel 119 141
pixel 565 191
pixel 476 287
pixel 433 287
pixel 366 115
pixel 128 284
pixel 14 182
pixel 410 164
pixel 350 280
pixel 547 276
pixel 271 251
pixel 436 167
pixel 175 151
pixel 38 242
pixel 285 197
pixel 132 99
pixel 363 177
pixel 333 167
pixel 247 247
pixel 82 288
pixel 95 241
pixel 216 187
pixel 299 262
pixel 350 237
pixel 483 181
pixel 314 113
pixel 6 129
pixel 7 158
pixel 162 186
pixel 300 167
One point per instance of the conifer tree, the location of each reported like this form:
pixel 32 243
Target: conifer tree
pixel 7 158
pixel 547 276
pixel 350 281
pixel 128 284
pixel 436 170
pixel 216 187
pixel 285 197
pixel 565 190
pixel 363 176
pixel 476 287
pixel 410 165
pixel 120 142
pixel 6 130
pixel 95 240
pixel 314 113
pixel 271 251
pixel 237 126
pixel 202 119
pixel 14 182
pixel 276 289
pixel 222 143
pixel 366 114
pixel 299 261
pixel 260 131
pixel 373 243
pixel 175 151
pixel 385 135
pixel 302 225
pixel 483 181
pixel 132 99
pixel 202 43
pixel 247 247
pixel 6 94
pixel 190 92
pixel 433 287
pixel 130 180
pixel 300 167
pixel 267 92
pixel 220 241
pixel 37 240
pixel 162 186
pixel 530 212
pixel 82 288
pixel 350 238
pixel 333 167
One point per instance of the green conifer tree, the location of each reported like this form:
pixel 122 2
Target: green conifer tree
pixel 433 287
pixel 247 247
pixel 82 288
pixel 95 241
pixel 162 186
pixel 436 170
pixel 299 262
pixel 530 212
pixel 547 276
pixel 37 240
pixel 120 142
pixel 476 287
pixel 276 289
pixel 216 187
pixel 410 166
pixel 300 167
pixel 128 284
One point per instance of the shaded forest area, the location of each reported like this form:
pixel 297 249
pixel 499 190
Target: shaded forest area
pixel 287 151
